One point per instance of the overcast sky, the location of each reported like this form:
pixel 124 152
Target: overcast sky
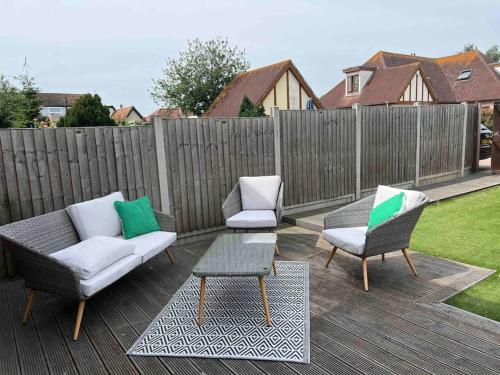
pixel 115 48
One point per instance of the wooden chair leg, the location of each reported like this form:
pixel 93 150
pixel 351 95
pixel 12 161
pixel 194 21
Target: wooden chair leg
pixel 167 251
pixel 383 257
pixel 410 263
pixel 79 316
pixel 201 306
pixel 263 294
pixel 364 265
pixel 276 250
pixel 27 307
pixel 334 250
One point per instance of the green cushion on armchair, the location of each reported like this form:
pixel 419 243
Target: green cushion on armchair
pixel 137 217
pixel 385 210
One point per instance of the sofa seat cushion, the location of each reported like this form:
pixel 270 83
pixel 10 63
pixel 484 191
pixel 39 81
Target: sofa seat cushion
pixel 253 219
pixel 96 217
pixel 411 199
pixel 89 257
pixel 149 244
pixel 109 275
pixel 351 240
pixel 259 193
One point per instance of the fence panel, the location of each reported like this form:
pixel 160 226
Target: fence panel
pixel 318 155
pixel 205 158
pixel 388 146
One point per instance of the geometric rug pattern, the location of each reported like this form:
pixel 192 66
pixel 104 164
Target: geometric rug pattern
pixel 234 325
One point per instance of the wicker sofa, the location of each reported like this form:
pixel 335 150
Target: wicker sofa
pixel 346 228
pixel 34 242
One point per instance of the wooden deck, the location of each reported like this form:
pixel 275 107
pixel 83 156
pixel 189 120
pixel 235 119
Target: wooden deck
pixel 398 327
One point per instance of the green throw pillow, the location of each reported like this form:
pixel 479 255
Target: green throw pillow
pixel 137 217
pixel 385 210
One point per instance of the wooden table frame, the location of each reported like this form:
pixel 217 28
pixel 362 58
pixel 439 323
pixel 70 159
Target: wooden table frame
pixel 263 294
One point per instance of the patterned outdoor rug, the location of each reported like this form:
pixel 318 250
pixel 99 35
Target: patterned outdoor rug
pixel 234 325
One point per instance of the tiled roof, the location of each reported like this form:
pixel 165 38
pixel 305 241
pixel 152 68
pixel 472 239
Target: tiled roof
pixel 58 99
pixel 256 84
pixel 123 113
pixel 168 113
pixel 440 74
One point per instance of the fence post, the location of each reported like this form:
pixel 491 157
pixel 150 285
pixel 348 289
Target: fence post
pixel 357 107
pixel 162 163
pixel 277 141
pixel 464 139
pixel 417 150
pixel 477 143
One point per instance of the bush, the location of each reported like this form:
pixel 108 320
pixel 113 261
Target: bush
pixel 88 110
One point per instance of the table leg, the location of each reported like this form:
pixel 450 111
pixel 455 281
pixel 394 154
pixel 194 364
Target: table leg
pixel 201 307
pixel 264 300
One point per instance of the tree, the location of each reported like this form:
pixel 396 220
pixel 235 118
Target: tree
pixel 197 76
pixel 27 109
pixel 88 110
pixel 469 47
pixel 248 109
pixel 9 99
pixel 493 53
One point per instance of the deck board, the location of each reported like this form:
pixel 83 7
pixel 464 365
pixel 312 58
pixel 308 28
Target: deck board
pixel 391 329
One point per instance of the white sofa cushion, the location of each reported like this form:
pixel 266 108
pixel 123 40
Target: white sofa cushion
pixel 109 275
pixel 149 244
pixel 349 239
pixel 252 219
pixel 259 193
pixel 96 217
pixel 88 257
pixel 411 199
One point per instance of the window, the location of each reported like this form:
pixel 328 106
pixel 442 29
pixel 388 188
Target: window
pixel 55 110
pixel 464 74
pixel 353 84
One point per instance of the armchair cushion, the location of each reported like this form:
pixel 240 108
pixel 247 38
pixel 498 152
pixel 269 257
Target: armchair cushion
pixel 411 199
pixel 350 239
pixel 96 217
pixel 253 219
pixel 385 210
pixel 149 244
pixel 89 257
pixel 259 193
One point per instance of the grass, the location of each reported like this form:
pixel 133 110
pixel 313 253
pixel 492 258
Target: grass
pixel 466 229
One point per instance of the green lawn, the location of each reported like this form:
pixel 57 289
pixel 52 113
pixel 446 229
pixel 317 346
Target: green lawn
pixel 466 229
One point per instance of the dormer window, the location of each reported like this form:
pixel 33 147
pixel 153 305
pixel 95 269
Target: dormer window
pixel 353 84
pixel 464 75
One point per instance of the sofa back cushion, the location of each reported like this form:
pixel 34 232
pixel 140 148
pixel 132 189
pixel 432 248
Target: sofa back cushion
pixel 259 193
pixel 91 256
pixel 411 199
pixel 96 217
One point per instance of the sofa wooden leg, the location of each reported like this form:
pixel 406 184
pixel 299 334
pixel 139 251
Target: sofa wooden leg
pixel 274 268
pixel 334 250
pixel 383 257
pixel 27 307
pixel 79 316
pixel 169 255
pixel 410 263
pixel 364 265
pixel 276 249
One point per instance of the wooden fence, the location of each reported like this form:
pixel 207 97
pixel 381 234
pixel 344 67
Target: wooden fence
pixel 188 166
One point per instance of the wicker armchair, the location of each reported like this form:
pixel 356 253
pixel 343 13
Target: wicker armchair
pixel 233 208
pixel 353 236
pixel 31 241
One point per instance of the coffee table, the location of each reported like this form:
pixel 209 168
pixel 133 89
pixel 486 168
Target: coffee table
pixel 236 255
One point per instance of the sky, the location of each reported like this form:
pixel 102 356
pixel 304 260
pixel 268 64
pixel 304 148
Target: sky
pixel 116 48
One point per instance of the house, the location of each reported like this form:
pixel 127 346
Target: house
pixel 394 78
pixel 111 109
pixel 127 116
pixel 55 105
pixel 168 113
pixel 279 84
pixel 496 67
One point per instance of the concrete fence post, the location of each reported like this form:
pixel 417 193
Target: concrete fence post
pixel 277 141
pixel 358 109
pixel 464 139
pixel 162 163
pixel 417 144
